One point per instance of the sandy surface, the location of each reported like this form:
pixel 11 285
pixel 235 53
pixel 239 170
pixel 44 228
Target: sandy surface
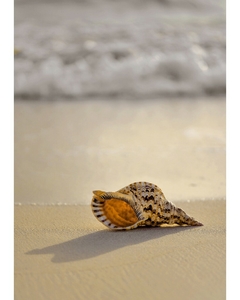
pixel 63 252
pixel 65 150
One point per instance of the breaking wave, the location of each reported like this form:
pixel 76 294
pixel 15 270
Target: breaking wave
pixel 135 49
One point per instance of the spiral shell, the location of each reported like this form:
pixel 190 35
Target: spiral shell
pixel 138 204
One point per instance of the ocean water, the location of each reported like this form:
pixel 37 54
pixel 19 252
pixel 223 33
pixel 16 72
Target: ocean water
pixel 118 49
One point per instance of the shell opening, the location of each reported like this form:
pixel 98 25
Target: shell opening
pixel 119 213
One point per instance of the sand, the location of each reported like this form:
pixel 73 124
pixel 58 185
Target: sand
pixel 64 150
pixel 63 252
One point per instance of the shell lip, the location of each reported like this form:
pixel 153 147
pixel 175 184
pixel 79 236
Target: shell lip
pixel 98 203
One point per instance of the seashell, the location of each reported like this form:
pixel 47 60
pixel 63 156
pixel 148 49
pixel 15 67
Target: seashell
pixel 138 204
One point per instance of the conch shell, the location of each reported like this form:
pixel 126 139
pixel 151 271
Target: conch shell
pixel 138 204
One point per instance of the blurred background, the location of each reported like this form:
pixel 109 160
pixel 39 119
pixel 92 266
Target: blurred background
pixel 113 48
pixel 111 92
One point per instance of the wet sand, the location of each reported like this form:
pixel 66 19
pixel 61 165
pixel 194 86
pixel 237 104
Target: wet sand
pixel 63 252
pixel 64 150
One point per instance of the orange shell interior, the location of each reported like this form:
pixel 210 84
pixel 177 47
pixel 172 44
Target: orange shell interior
pixel 119 213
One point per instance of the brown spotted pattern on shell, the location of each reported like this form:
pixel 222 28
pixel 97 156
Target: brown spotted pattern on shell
pixel 138 204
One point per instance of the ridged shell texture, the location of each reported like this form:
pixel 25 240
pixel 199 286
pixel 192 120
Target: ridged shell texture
pixel 138 204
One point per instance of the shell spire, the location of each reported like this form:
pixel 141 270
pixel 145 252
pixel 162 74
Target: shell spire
pixel 138 204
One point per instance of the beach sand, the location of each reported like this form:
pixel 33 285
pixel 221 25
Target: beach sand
pixel 64 150
pixel 63 252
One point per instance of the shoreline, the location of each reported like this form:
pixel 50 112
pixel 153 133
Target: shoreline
pixel 80 204
pixel 65 150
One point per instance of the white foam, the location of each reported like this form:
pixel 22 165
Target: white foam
pixel 177 50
